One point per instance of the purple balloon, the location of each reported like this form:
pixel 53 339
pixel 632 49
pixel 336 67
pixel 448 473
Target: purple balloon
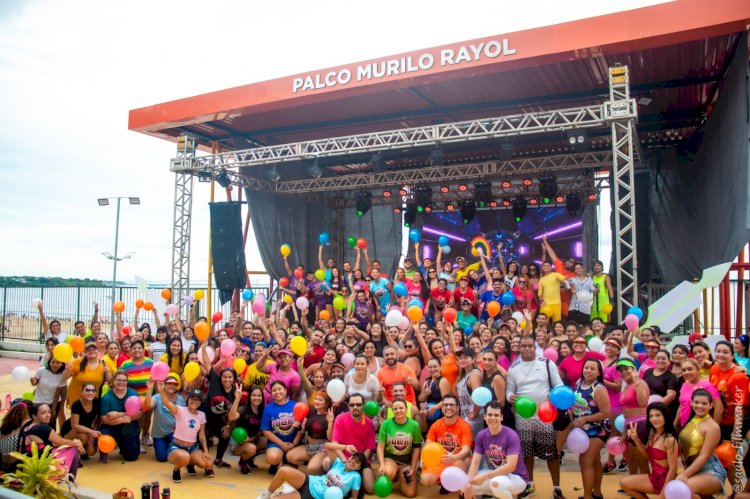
pixel 677 489
pixel 578 441
pixel 454 478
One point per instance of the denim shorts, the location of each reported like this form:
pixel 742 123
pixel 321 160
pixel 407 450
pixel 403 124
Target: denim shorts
pixel 173 447
pixel 714 468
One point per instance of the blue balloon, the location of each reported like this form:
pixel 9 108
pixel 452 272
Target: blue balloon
pixel 481 396
pixel 247 294
pixel 562 397
pixel 333 493
pixel 469 330
pixel 416 302
pixel 508 298
pixel 443 241
pixel 324 238
pixel 636 311
pixel 446 250
pixel 620 423
pixel 400 289
pixel 415 235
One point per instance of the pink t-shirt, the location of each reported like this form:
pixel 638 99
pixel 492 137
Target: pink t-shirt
pixel 290 379
pixel 686 392
pixel 188 425
pixel 646 364
pixel 348 432
pixel 573 368
pixel 611 374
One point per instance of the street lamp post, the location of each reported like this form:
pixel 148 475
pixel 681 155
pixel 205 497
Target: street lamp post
pixel 105 202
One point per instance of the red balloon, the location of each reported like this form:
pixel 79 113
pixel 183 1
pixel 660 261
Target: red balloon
pixel 217 316
pixel 726 454
pixel 299 273
pixel 300 411
pixel 449 314
pixel 284 282
pixel 126 330
pixel 547 412
pixel 362 242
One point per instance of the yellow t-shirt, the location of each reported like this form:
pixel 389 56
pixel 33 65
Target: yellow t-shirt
pixel 175 367
pixel 111 364
pixel 549 288
pixel 465 271
pixel 254 378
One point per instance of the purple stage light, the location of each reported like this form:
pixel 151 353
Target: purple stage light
pixel 578 249
pixel 439 233
pixel 523 250
pixel 559 230
pixel 426 252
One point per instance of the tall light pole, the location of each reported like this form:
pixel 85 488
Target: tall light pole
pixel 105 202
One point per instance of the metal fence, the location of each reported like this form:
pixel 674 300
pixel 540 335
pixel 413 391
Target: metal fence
pixel 20 319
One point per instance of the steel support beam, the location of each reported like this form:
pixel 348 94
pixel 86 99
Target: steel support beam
pixel 183 207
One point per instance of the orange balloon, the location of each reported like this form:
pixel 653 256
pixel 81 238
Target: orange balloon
pixel 166 294
pixel 76 343
pixel 493 308
pixel 148 306
pixel 139 304
pixel 118 306
pixel 202 329
pixel 106 444
pixel 325 315
pixel 414 313
pixel 431 454
pixel 726 454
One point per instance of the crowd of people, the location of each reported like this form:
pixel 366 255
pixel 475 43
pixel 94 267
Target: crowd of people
pixel 412 348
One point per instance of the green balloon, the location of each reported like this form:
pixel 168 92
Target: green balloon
pixel 339 303
pixel 239 435
pixel 371 408
pixel 320 274
pixel 383 486
pixel 351 241
pixel 525 407
pixel 29 396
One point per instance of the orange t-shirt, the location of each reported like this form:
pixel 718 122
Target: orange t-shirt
pixel 400 372
pixel 732 386
pixel 565 294
pixel 449 370
pixel 452 437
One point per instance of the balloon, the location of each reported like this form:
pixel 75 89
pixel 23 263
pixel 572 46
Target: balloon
pixel 166 294
pixel 562 397
pixel 617 445
pixel 383 486
pixel 325 315
pixel 508 298
pixel 172 309
pixel 414 302
pixel 677 489
pixel 446 250
pixel 202 330
pixel 28 396
pixel 302 303
pixel 239 434
pixel 320 274
pixel 547 412
pixel 339 303
pixel 443 241
pixel 247 294
pixel 285 250
pixel 105 389
pixel 217 316
pixel 493 308
pixel 299 273
pixel 525 407
pixel 362 243
pixel 336 390
pixel 159 371
pixel 453 478
pixel 287 298
pixel 655 398
pixel 726 454
pixel 635 311
pixel 324 238
pixel 191 371
pixel 199 294
pixel 139 304
pixel 474 252
pixel 189 300
pixel 415 235
pixel 36 302
pixel 239 365
pixel 126 330
pixel 118 306
pixel 469 330
pixel 607 308
pixel 393 318
pixel 481 396
pixel 414 313
pixel 76 343
pixel 298 345
pixel 371 408
pixel 63 352
pixel 209 351
pixel 404 324
pixel 551 354
pixel 301 410
pixel 148 306
pixel 333 493
pixel 431 454
pixel 596 344
pixel 228 347
pixel 518 316
pixel 400 289
pixel 578 441
pixel 547 310
pixel 347 359
pixel 132 405
pixel 631 322
pixel 449 314
pixel 585 297
pixel 259 306
pixel 620 423
pixel 106 444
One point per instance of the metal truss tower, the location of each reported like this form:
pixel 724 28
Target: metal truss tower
pixel 183 207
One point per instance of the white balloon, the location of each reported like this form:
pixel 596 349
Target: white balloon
pixel 518 316
pixel 585 297
pixel 336 390
pixel 393 318
pixel 36 302
pixel 20 373
pixel 446 250
pixel 596 344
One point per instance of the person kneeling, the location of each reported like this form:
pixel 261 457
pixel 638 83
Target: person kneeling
pixel 505 472
pixel 344 475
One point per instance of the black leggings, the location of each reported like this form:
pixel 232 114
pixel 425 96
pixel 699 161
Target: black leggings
pixel 215 425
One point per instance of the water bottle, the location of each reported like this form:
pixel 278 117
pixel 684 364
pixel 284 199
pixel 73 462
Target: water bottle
pixel 146 491
pixel 166 494
pixel 7 401
pixel 155 489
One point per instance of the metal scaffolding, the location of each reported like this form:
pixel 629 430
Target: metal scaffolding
pixel 183 208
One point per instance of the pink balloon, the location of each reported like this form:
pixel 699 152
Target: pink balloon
pixel 159 371
pixel 677 489
pixel 209 351
pixel 578 441
pixel 631 322
pixel 132 405
pixel 551 354
pixel 347 359
pixel 259 306
pixel 302 303
pixel 261 297
pixel 228 347
pixel 404 324
pixel 454 478
pixel 655 398
pixel 616 445
pixel 172 309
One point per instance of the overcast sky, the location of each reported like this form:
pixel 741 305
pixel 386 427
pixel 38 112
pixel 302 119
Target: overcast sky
pixel 71 71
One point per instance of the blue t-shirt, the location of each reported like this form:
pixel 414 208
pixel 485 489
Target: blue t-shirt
pixel 163 424
pixel 336 477
pixel 110 403
pixel 280 420
pixel 380 291
pixel 487 297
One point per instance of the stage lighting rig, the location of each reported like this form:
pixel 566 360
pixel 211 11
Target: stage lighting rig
pixel 573 204
pixel 314 170
pixel 437 157
pixel 222 178
pixel 363 202
pixel 483 193
pixel 422 197
pixel 548 188
pixel 468 211
pixel 519 208
pixel 410 214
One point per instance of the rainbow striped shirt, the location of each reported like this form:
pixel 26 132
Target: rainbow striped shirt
pixel 138 375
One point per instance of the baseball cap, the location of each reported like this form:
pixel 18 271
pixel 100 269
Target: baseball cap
pixel 90 344
pixel 286 352
pixel 467 351
pixel 175 378
pixel 625 363
pixel 652 343
pixel 579 339
pixel 195 394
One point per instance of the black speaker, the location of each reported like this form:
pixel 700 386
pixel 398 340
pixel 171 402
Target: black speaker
pixel 226 246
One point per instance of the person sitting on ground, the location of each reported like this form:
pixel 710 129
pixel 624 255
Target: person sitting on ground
pixel 318 427
pixel 353 433
pixel 10 429
pixel 248 416
pixel 164 420
pixel 84 420
pixel 116 422
pixel 39 432
pixel 399 444
pixel 279 426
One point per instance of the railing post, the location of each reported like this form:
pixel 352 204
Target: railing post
pixel 5 308
pixel 41 333
pixel 78 304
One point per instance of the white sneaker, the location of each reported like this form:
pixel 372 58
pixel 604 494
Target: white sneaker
pixel 284 489
pixel 146 440
pixel 265 494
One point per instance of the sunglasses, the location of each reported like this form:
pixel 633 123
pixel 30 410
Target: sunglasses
pixel 121 381
pixel 356 405
pixel 89 390
pixel 246 352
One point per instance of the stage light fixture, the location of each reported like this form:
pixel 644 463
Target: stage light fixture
pixel 519 208
pixel 463 187
pixel 573 203
pixel 559 199
pixel 592 197
pixel 377 162
pixel 422 197
pixel 402 192
pixel 410 214
pixel 468 211
pixel 505 184
pixel 363 202
pixel 437 157
pixel 483 193
pixel 506 150
pixel 314 170
pixel 527 182
pixel 444 189
pixel 274 174
pixel 397 209
pixel 222 178
pixel 493 204
pixel 578 139
pixel 450 206
pixel 547 188
pixel 204 177
pixel 386 193
pixel 428 209
pixel 533 201
pixel 506 202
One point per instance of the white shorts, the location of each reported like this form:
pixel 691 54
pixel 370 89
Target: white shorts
pixel 508 486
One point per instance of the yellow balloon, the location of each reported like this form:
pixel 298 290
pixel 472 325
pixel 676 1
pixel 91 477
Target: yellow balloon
pixel 285 250
pixel 198 295
pixel 474 252
pixel 191 371
pixel 239 365
pixel 63 352
pixel 298 345
pixel 607 308
pixel 105 389
pixel 523 324
pixel 287 298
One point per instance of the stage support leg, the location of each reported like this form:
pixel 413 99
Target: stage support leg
pixel 183 206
